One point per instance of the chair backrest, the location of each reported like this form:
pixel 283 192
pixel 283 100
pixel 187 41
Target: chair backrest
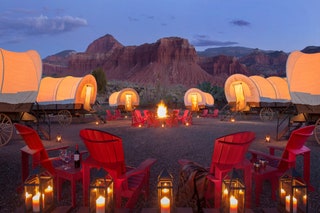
pixel 105 148
pixel 298 137
pixel 295 144
pixel 34 142
pixel 230 150
pixel 205 112
pixel 185 113
pixel 215 112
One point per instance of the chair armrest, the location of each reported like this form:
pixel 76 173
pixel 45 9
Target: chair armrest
pixel 142 168
pixel 57 148
pixel 272 149
pixel 255 154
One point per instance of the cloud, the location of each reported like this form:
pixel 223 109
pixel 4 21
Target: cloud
pixel 240 23
pixel 204 41
pixel 41 25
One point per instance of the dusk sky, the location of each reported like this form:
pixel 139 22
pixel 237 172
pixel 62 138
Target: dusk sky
pixel 51 26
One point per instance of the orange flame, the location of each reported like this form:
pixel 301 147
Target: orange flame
pixel 162 110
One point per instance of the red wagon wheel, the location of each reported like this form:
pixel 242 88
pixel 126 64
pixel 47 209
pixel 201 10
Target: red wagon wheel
pixel 317 131
pixel 6 129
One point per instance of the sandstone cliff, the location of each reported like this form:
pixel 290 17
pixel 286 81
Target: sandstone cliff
pixel 168 61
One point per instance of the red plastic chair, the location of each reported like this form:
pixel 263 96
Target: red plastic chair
pixel 106 152
pixel 152 120
pixel 137 119
pixel 41 158
pixel 228 153
pixel 205 113
pixel 173 120
pixel 110 116
pixel 186 117
pixel 215 113
pixel 117 114
pixel 279 164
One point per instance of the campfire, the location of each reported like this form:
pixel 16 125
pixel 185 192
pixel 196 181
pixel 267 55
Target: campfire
pixel 162 110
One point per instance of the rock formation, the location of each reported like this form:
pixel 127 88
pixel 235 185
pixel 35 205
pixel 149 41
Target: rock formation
pixel 168 61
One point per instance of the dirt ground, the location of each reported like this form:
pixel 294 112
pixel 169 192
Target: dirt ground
pixel 167 145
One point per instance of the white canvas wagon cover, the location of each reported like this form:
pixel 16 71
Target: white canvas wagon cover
pixel 20 75
pixel 68 90
pixel 303 75
pixel 202 98
pixel 127 98
pixel 244 91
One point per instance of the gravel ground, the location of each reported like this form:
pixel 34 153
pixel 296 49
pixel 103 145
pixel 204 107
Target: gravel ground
pixel 167 145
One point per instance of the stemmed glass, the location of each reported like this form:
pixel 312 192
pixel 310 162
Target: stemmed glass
pixel 65 156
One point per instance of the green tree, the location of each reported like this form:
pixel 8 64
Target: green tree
pixel 215 91
pixel 100 77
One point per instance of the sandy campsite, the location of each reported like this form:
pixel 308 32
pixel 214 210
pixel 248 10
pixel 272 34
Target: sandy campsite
pixel 167 145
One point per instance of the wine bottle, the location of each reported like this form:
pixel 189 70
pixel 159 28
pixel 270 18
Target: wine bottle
pixel 76 157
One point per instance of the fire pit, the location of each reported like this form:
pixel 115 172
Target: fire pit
pixel 162 113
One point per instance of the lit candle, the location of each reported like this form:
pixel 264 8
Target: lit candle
pixel 288 203
pixel 225 196
pixel 165 205
pixel 109 190
pixel 43 201
pixel 233 205
pixel 28 201
pixel 295 205
pixel 36 203
pixel 304 199
pixel 165 191
pixel 100 204
pixel 49 194
pixel 282 194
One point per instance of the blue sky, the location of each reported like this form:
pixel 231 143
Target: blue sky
pixel 51 26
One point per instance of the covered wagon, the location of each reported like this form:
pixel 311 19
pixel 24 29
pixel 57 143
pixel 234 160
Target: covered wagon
pixel 195 99
pixel 256 93
pixel 126 99
pixel 303 76
pixel 66 97
pixel 20 75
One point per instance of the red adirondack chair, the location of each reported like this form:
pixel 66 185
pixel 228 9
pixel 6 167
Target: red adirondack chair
pixel 205 113
pixel 215 113
pixel 110 116
pixel 40 157
pixel 186 117
pixel 173 120
pixel 137 119
pixel 279 164
pixel 106 151
pixel 152 120
pixel 228 153
pixel 117 114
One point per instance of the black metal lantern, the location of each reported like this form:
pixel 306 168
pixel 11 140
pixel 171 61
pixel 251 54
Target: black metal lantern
pixel 233 193
pixel 101 194
pixel 293 192
pixel 165 190
pixel 39 192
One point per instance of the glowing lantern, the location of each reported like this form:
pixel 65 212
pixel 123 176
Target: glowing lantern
pixel 233 193
pixel 165 191
pixel 38 193
pixel 101 194
pixel 268 138
pixel 293 192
